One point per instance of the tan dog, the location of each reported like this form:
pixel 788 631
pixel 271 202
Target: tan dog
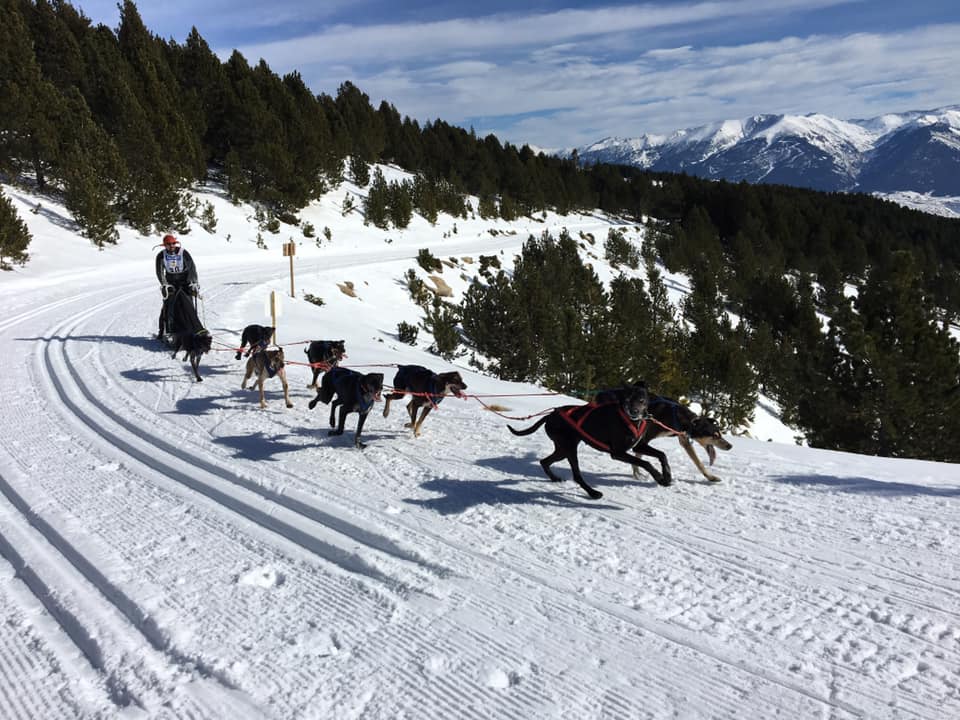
pixel 263 364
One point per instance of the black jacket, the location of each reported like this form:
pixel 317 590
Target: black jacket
pixel 187 275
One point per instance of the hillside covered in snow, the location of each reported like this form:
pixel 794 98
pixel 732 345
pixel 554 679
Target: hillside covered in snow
pixel 171 550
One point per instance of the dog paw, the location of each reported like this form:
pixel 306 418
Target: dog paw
pixel 595 494
pixel 713 478
pixel 289 405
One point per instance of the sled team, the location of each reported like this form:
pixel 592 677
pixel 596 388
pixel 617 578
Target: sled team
pixel 620 422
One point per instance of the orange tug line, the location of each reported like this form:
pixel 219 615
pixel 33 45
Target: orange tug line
pixel 224 347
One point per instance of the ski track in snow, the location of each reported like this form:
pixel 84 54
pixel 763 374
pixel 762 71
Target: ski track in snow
pixel 196 556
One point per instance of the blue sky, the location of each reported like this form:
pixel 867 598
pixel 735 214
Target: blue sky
pixel 556 74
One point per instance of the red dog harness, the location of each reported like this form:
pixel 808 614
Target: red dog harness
pixel 577 423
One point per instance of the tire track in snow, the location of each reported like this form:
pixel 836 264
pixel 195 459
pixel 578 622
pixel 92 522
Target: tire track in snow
pixel 79 410
pixel 565 604
pixel 856 679
pixel 292 519
pixel 28 650
pixel 131 608
pixel 86 606
pixel 452 694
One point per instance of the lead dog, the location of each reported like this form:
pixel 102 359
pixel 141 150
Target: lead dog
pixel 610 427
pixel 264 364
pixel 194 345
pixel 426 388
pixel 668 417
pixel 353 392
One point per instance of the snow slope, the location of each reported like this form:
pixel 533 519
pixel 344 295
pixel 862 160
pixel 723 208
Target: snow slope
pixel 170 550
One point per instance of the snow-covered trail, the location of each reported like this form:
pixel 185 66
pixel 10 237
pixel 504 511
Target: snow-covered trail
pixel 169 546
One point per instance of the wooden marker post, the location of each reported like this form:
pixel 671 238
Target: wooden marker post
pixel 274 313
pixel 289 250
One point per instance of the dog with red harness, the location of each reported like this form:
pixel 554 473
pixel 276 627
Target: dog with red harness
pixel 613 426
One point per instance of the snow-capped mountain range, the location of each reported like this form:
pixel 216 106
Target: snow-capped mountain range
pixel 917 151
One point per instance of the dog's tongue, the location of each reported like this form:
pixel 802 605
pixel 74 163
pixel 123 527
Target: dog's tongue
pixel 711 453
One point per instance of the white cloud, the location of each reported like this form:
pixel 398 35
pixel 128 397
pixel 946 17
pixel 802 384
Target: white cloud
pixel 416 42
pixel 856 75
pixel 576 74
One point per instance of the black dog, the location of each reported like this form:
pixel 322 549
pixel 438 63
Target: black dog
pixel 668 417
pixel 323 355
pixel 354 392
pixel 257 337
pixel 610 427
pixel 194 344
pixel 426 389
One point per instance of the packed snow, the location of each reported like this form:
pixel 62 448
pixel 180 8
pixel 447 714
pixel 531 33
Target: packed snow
pixel 171 550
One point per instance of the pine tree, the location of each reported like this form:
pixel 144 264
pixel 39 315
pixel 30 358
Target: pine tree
pixel 401 203
pixel 359 171
pixel 92 172
pixel 150 182
pixel 376 206
pixel 204 89
pixel 487 207
pixel 490 324
pixel 441 321
pixel 14 235
pixel 889 359
pixel 157 91
pixel 425 198
pixel 28 102
pixel 238 183
pixel 363 124
pixel 714 356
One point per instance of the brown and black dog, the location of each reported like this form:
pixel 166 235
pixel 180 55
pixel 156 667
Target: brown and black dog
pixel 264 364
pixel 669 417
pixel 194 345
pixel 323 355
pixel 354 392
pixel 257 337
pixel 610 427
pixel 426 389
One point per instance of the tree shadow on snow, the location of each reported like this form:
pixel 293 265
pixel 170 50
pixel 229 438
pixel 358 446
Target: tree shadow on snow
pixel 38 208
pixel 865 486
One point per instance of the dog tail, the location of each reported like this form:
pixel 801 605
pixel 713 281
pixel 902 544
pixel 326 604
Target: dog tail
pixel 533 428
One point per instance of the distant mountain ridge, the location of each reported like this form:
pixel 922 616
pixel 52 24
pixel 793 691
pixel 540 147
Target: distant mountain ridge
pixel 916 151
